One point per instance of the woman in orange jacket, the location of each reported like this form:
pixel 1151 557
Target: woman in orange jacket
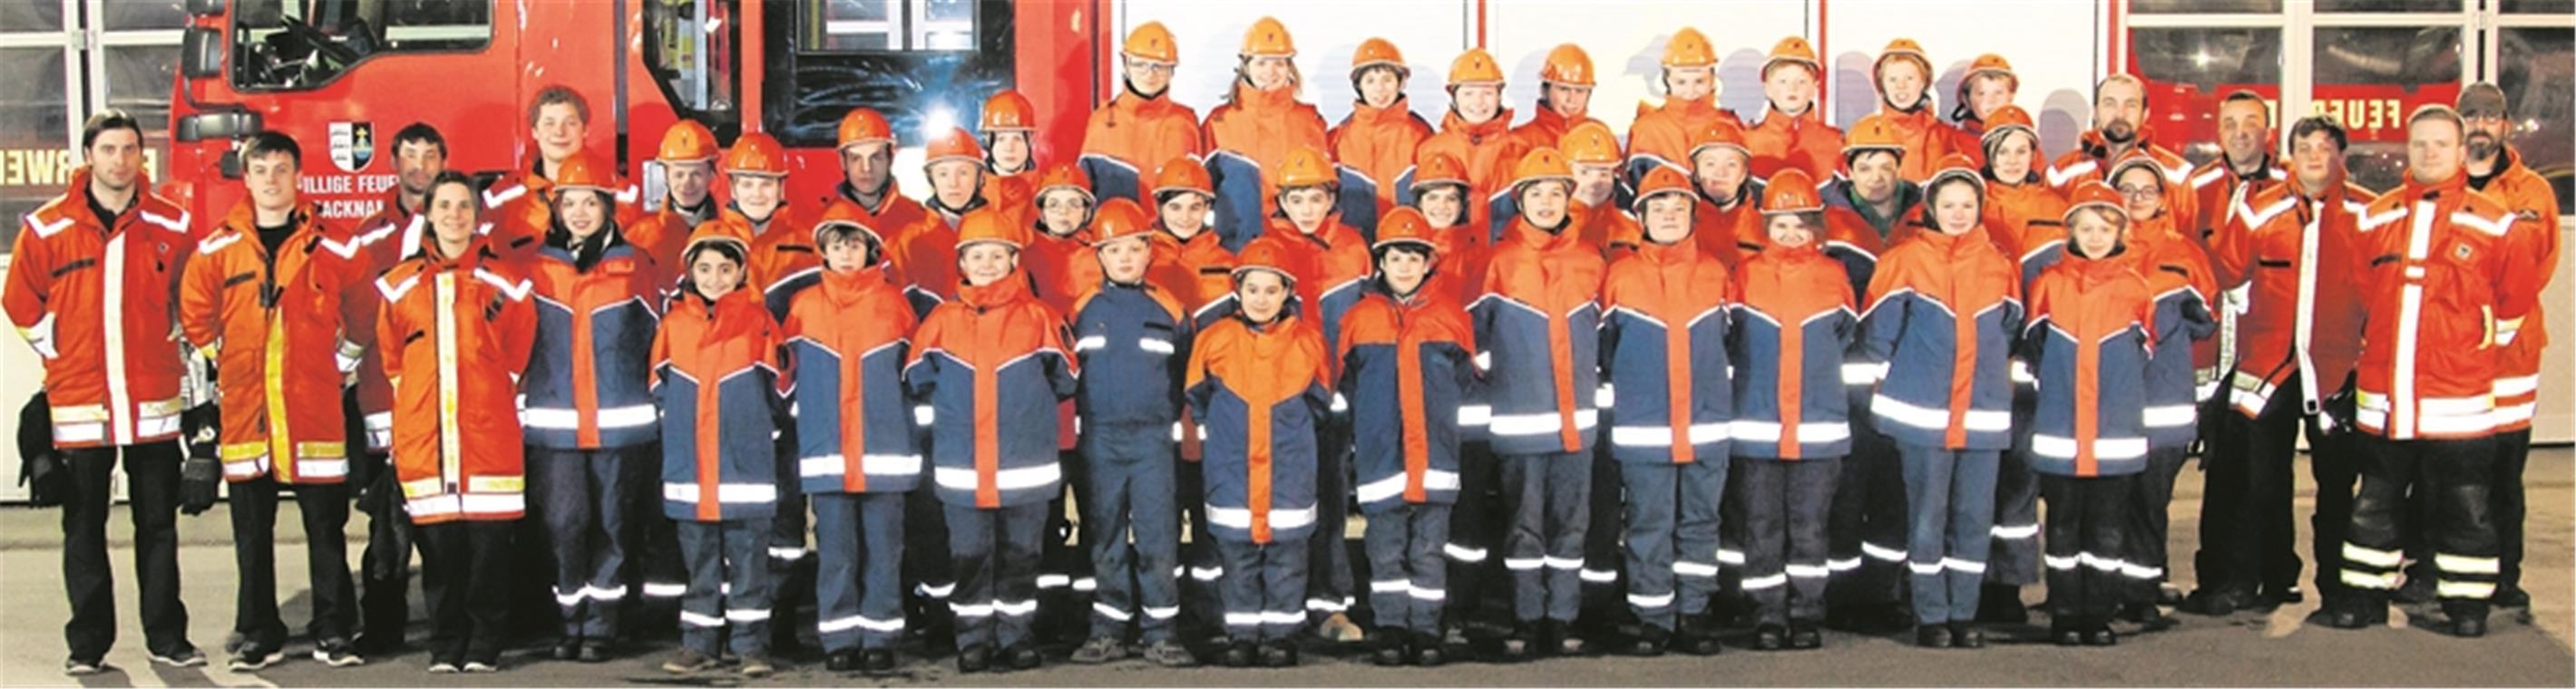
pixel 1260 123
pixel 462 323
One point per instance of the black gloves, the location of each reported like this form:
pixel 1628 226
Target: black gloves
pixel 201 475
pixel 40 466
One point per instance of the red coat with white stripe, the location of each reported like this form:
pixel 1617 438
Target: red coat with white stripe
pixel 97 303
pixel 279 331
pixel 2446 289
pixel 456 334
pixel 2296 257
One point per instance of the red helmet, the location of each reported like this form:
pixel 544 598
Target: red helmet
pixel 1064 176
pixel 1661 181
pixel 1566 64
pixel 1183 173
pixel 1008 111
pixel 955 144
pixel 2093 194
pixel 1791 191
pixel 1404 225
pixel 687 142
pixel 844 215
pixel 864 126
pixel 1434 168
pixel 1263 256
pixel 1119 218
pixel 582 173
pixel 756 153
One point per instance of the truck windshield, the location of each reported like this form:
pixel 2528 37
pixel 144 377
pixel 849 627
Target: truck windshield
pixel 301 44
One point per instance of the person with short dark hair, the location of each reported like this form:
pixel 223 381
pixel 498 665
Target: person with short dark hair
pixel 394 233
pixel 2288 247
pixel 2120 103
pixel 715 370
pixel 1260 381
pixel 92 275
pixel 2449 285
pixel 559 125
pixel 268 299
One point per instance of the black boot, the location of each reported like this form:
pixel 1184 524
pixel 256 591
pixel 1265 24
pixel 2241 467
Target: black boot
pixel 1430 650
pixel 1804 636
pixel 2001 604
pixel 1522 643
pixel 974 659
pixel 1239 653
pixel 1770 637
pixel 1697 636
pixel 1932 636
pixel 1966 635
pixel 1649 641
pixel 1390 646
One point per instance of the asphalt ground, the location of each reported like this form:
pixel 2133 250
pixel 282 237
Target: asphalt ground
pixel 2525 648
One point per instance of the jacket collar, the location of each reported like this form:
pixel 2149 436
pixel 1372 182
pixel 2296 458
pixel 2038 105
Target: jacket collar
pixel 1011 288
pixel 1499 125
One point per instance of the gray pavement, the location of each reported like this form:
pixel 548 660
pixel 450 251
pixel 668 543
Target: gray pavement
pixel 2533 649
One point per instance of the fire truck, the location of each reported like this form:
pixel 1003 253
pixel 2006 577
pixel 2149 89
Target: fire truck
pixel 342 76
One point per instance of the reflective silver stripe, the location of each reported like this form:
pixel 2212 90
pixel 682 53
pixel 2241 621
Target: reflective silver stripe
pixel 1662 436
pixel 956 478
pixel 1393 485
pixel 860 622
pixel 1769 432
pixel 2103 448
pixel 873 465
pixel 1541 423
pixel 726 493
pixel 2171 416
pixel 1241 518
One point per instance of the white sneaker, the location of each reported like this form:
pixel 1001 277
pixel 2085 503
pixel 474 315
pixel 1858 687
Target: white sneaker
pixel 442 668
pixel 479 667
pixel 82 668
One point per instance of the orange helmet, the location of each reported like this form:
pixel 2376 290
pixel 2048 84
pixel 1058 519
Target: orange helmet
pixel 2090 194
pixel 1404 225
pixel 1432 168
pixel 1688 48
pixel 756 153
pixel 1474 67
pixel 1720 134
pixel 1902 48
pixel 987 226
pixel 703 240
pixel 1873 133
pixel 1989 62
pixel 1183 174
pixel 955 144
pixel 1268 38
pixel 1152 43
pixel 582 173
pixel 1263 256
pixel 1008 111
pixel 1119 218
pixel 2007 119
pixel 840 215
pixel 1792 50
pixel 687 142
pixel 1791 191
pixel 864 126
pixel 1566 64
pixel 1305 167
pixel 1590 143
pixel 1661 181
pixel 1378 51
pixel 1959 165
pixel 1539 165
pixel 2134 159
pixel 1064 176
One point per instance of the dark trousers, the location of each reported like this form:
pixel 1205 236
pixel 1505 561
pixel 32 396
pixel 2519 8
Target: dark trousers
pixel 585 512
pixel 1201 612
pixel 384 570
pixel 1672 538
pixel 464 574
pixel 1328 562
pixel 858 574
pixel 1136 531
pixel 2150 523
pixel 1951 494
pixel 729 586
pixel 2454 475
pixel 2012 558
pixel 1604 561
pixel 1065 577
pixel 1547 494
pixel 1474 534
pixel 1261 587
pixel 2513 451
pixel 2086 531
pixel 2336 467
pixel 927 571
pixel 994 553
pixel 1866 530
pixel 325 509
pixel 1408 577
pixel 653 562
pixel 2247 541
pixel 1785 507
pixel 152 500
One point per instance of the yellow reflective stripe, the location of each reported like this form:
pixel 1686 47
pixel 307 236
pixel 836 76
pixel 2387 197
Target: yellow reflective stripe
pixel 274 375
pixel 321 450
pixel 235 452
pixel 495 484
pixel 421 487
